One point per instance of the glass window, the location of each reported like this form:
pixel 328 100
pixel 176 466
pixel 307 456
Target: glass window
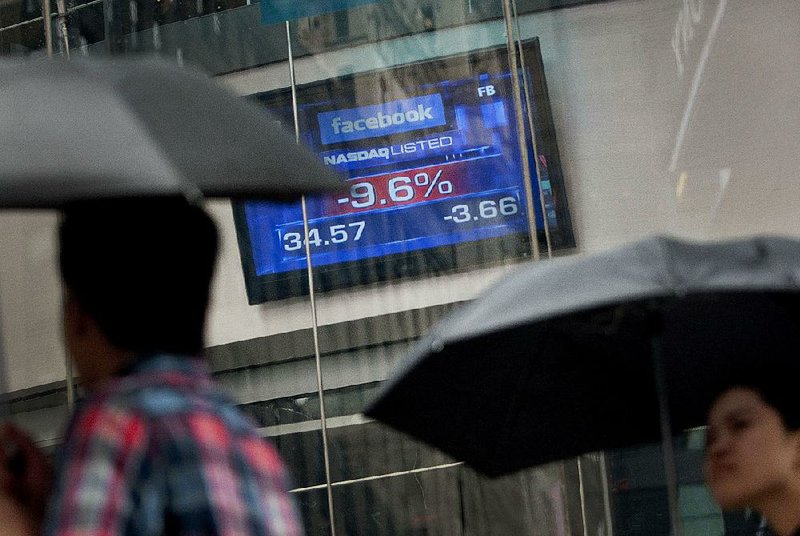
pixel 474 137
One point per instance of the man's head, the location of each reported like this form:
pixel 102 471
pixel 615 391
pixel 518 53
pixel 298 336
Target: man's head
pixel 136 275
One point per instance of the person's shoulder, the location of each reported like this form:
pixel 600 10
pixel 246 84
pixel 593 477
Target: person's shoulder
pixel 177 404
pixel 108 418
pixel 155 401
pixel 194 410
pixel 161 385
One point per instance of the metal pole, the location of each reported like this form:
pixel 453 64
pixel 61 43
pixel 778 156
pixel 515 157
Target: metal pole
pixel 532 128
pixel 62 25
pixel 670 471
pixel 523 147
pixel 48 28
pixel 606 496
pixel 565 503
pixel 312 297
pixel 582 494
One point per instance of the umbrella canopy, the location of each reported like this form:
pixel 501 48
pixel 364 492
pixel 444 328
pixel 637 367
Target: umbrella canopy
pixel 127 128
pixel 558 359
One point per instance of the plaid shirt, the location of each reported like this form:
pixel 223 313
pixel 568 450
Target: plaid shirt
pixel 159 450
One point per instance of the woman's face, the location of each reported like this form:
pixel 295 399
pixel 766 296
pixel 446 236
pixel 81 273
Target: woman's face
pixel 749 455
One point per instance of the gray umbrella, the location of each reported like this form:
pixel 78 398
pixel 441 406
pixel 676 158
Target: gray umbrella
pixel 558 359
pixel 121 128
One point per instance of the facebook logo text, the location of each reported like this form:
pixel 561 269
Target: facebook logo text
pixel 381 119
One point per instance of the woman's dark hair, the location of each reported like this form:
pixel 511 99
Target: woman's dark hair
pixel 777 385
pixel 765 353
pixel 141 269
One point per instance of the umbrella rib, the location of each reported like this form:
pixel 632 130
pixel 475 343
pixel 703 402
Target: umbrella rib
pixel 670 471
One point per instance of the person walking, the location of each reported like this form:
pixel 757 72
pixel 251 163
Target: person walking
pixel 752 457
pixel 155 447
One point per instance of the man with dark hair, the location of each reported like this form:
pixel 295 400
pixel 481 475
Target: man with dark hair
pixel 155 447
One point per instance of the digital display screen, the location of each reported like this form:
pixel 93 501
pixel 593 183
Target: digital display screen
pixel 439 167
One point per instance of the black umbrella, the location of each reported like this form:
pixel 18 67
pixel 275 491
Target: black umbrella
pixel 128 128
pixel 558 359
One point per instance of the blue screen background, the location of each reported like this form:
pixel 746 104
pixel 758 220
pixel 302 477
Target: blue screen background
pixel 477 151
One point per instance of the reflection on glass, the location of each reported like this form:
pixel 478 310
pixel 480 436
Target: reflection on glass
pixel 453 501
pixel 17 11
pixel 313 506
pixel 302 453
pixel 671 117
pixel 41 414
pixel 21 30
pixel 638 494
pixel 278 394
pixel 145 14
pixel 85 24
pixel 432 153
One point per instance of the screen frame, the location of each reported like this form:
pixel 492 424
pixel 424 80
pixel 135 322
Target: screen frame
pixel 435 261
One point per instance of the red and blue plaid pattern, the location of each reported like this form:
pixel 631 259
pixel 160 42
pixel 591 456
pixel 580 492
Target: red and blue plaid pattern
pixel 160 450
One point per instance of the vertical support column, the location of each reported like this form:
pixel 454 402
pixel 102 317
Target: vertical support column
pixel 670 471
pixel 523 146
pixel 532 126
pixel 61 21
pixel 582 495
pixel 313 303
pixel 48 27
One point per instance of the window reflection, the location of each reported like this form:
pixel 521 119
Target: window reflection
pixel 676 117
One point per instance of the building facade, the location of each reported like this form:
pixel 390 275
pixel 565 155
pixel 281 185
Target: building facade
pixel 476 135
